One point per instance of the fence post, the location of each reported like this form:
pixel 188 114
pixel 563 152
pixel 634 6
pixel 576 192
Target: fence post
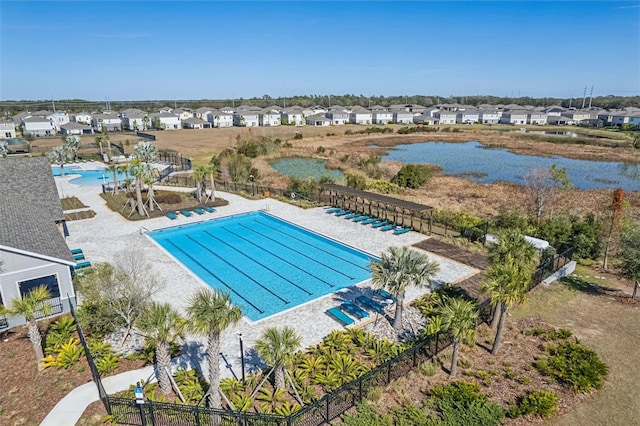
pixel 327 412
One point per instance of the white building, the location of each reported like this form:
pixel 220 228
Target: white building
pixel 7 129
pixel 381 116
pixel 318 120
pixel 292 115
pixel 536 117
pixel 58 119
pixel 337 116
pixel 195 123
pixel 246 119
pixel 489 117
pixel 467 116
pixel 38 126
pixel 220 119
pixel 166 121
pixel 360 115
pixel 446 117
pixel 269 117
pixel 516 117
pixel 82 118
pixel 111 122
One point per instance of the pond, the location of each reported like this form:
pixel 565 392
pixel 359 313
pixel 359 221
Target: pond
pixel 474 161
pixel 305 168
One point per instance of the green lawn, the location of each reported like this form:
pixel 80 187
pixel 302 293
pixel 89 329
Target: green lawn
pixel 611 328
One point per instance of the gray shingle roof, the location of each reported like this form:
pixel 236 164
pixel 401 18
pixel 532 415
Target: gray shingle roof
pixel 30 208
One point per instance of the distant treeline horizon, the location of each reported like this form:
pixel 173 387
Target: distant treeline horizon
pixel 12 107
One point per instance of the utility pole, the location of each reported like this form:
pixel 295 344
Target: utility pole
pixel 584 97
pixel 54 104
pixel 591 97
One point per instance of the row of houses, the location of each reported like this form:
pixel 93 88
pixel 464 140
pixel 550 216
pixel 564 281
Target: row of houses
pixel 47 123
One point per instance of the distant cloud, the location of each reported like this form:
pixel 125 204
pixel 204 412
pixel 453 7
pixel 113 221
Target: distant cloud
pixel 634 6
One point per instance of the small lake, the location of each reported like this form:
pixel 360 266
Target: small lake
pixel 305 168
pixel 487 165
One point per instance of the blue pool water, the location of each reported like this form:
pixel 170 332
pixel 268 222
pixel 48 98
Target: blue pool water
pixel 87 177
pixel 266 264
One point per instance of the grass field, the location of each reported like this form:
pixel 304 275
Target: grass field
pixel 609 325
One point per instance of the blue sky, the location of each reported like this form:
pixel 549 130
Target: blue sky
pixel 136 50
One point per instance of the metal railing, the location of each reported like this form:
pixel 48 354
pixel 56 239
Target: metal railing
pixel 55 308
pixel 551 266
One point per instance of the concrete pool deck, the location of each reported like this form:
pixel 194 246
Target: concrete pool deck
pixel 108 233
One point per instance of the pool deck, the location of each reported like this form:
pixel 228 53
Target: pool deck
pixel 108 233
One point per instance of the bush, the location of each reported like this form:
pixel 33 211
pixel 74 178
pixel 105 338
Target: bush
pixel 574 365
pixel 412 176
pixel 540 402
pixel 384 187
pixel 428 368
pixel 462 403
pixel 355 181
pixel 298 136
pixel 366 416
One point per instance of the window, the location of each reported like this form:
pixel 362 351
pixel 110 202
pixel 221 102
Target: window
pixel 50 282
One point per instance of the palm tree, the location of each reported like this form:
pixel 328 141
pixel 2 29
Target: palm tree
pixel 59 155
pixel 30 305
pixel 199 174
pixel 507 284
pixel 72 143
pixel 398 270
pixel 148 177
pixel 145 151
pixel 276 347
pixel 135 167
pixel 211 312
pixel 162 325
pixel 114 168
pixel 212 170
pixel 511 244
pixel 145 123
pixel 459 317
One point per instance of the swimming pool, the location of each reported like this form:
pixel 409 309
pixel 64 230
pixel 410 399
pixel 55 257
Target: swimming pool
pixel 93 177
pixel 267 265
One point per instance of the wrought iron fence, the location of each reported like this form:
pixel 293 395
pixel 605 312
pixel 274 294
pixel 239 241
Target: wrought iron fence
pixel 4 322
pixel 55 308
pixel 551 266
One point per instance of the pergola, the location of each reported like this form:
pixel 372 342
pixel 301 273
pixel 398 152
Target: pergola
pixel 404 213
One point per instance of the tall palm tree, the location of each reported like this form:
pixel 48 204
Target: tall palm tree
pixel 29 306
pixel 59 155
pixel 212 170
pixel 399 269
pixel 459 317
pixel 277 347
pixel 72 143
pixel 114 168
pixel 135 167
pixel 210 312
pixel 199 174
pixel 507 284
pixel 511 244
pixel 162 324
pixel 148 177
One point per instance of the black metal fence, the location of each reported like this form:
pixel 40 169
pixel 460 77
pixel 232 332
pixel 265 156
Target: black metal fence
pixel 128 412
pixel 4 322
pixel 95 375
pixel 55 308
pixel 551 266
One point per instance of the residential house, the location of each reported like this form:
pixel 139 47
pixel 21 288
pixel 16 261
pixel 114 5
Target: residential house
pixel 446 116
pixel 627 116
pixel 203 112
pixel 82 118
pixel 166 121
pixel 182 114
pixel 109 121
pixel 402 117
pixel 17 119
pixel 73 128
pixel 32 243
pixel 38 126
pixel 246 118
pixel 195 123
pixel 554 110
pixel 560 120
pixel 136 121
pixel 381 116
pixel 425 120
pixel 488 116
pixel 7 129
pixel 269 117
pixel 360 115
pixel 337 116
pixel 577 115
pixel 536 117
pixel 58 118
pixel 467 116
pixel 132 112
pixel 292 115
pixel 514 116
pixel 220 118
pixel 227 110
pixel 318 120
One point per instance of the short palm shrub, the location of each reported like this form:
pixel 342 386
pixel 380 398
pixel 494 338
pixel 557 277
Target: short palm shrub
pixel 574 365
pixel 461 403
pixel 537 402
pixel 366 416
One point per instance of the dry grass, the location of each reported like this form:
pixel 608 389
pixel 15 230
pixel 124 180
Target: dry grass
pixel 610 325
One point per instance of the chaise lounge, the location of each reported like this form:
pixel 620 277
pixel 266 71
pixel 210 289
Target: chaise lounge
pixel 76 250
pixel 209 209
pixel 354 310
pixel 81 265
pixel 384 294
pixel 186 213
pixel 172 215
pixel 333 210
pixel 371 304
pixel 198 210
pixel 379 224
pixel 401 231
pixel 340 316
